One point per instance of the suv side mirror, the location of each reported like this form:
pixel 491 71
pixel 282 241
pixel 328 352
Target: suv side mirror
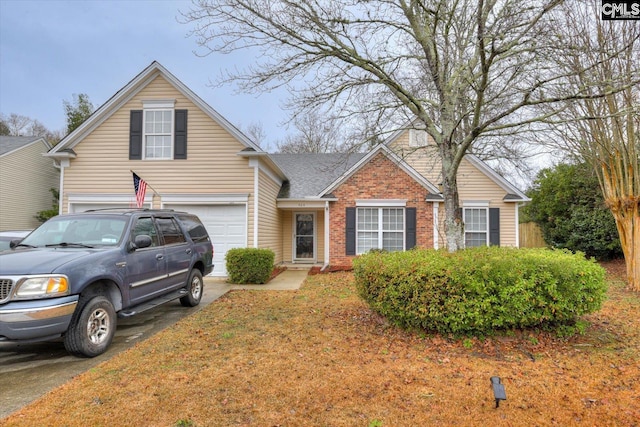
pixel 141 241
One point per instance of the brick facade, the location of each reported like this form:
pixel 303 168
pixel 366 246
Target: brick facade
pixel 380 178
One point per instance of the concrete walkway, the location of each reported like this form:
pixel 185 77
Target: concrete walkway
pixel 288 280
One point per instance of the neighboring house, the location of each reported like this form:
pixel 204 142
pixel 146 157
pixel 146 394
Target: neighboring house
pixel 319 209
pixel 26 180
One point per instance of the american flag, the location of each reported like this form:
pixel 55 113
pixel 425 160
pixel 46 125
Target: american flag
pixel 140 186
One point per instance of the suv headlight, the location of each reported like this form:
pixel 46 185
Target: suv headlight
pixel 42 287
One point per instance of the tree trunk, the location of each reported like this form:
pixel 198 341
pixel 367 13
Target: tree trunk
pixel 627 216
pixel 453 225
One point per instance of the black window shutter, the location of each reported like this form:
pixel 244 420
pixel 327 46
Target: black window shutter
pixel 410 232
pixel 351 231
pixel 135 135
pixel 180 135
pixel 494 226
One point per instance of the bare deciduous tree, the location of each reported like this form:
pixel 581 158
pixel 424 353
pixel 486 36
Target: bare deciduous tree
pixel 255 131
pixel 605 131
pixel 466 71
pixel 315 133
pixel 19 125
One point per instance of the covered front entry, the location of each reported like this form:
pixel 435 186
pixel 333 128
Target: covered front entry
pixel 304 235
pixel 304 239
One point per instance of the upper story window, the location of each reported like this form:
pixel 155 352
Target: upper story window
pixel 417 138
pixel 158 131
pixel 158 134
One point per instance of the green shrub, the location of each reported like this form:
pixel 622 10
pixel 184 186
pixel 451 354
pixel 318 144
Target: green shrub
pixel 249 265
pixel 567 204
pixel 480 290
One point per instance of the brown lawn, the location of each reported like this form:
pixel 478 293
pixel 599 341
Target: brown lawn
pixel 320 357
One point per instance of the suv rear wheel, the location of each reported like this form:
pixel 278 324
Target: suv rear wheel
pixel 92 328
pixel 195 288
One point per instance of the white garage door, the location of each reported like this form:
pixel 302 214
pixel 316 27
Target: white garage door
pixel 226 225
pixel 83 207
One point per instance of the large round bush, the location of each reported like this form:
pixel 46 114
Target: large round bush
pixel 480 290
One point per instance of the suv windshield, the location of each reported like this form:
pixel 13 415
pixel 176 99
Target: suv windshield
pixel 77 231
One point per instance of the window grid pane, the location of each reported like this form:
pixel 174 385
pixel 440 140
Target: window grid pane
pixel 158 147
pixel 393 241
pixel 157 129
pixel 368 219
pixel 475 227
pixel 380 228
pixel 367 241
pixel 392 219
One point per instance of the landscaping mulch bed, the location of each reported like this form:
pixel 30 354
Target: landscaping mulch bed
pixel 320 357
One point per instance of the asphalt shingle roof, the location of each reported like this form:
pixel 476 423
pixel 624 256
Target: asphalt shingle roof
pixel 10 143
pixel 310 173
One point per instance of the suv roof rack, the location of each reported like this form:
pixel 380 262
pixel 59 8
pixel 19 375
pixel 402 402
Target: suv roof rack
pixel 128 210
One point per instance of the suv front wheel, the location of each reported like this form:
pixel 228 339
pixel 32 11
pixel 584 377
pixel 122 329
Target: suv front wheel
pixel 92 328
pixel 195 288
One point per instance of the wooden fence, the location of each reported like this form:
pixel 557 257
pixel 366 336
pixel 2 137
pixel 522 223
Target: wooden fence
pixel 531 236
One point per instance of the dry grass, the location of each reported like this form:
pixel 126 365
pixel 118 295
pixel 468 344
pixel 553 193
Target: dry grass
pixel 319 357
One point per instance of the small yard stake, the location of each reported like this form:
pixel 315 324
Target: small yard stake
pixel 498 390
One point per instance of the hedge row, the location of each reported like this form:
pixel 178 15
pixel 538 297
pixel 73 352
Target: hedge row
pixel 481 290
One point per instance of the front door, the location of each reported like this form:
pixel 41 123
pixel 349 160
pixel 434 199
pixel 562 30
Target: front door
pixel 304 239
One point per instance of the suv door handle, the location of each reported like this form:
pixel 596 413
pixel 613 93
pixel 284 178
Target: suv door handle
pixel 188 251
pixel 159 257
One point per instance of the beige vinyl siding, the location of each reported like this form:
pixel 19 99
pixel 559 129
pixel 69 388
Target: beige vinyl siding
pixel 287 236
pixel 473 185
pixel 320 236
pixel 269 224
pixel 212 166
pixel 25 182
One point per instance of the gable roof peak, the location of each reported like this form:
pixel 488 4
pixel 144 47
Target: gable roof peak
pixel 139 82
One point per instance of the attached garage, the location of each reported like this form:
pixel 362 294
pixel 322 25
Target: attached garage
pixel 83 207
pixel 226 225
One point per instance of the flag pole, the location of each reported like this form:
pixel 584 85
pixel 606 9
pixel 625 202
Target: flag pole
pixel 148 185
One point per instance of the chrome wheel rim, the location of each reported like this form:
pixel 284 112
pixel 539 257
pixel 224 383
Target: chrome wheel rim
pixel 98 326
pixel 196 288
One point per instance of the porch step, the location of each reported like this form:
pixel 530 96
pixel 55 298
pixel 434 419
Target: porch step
pixel 290 266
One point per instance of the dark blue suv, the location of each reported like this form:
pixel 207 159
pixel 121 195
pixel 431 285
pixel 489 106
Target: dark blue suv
pixel 75 274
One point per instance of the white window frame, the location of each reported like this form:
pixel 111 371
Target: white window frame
pixel 418 138
pixel 158 106
pixel 476 206
pixel 380 225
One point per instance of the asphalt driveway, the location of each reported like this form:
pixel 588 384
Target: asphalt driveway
pixel 29 371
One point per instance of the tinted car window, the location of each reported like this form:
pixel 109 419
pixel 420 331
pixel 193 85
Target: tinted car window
pixel 196 230
pixel 170 231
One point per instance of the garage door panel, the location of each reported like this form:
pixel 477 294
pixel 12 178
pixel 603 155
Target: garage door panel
pixel 83 207
pixel 226 225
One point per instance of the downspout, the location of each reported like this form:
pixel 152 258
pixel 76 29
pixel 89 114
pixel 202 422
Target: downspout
pixel 256 195
pixel 517 225
pixel 436 244
pixel 326 236
pixel 63 164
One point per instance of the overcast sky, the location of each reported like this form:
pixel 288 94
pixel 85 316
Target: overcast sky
pixel 53 49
